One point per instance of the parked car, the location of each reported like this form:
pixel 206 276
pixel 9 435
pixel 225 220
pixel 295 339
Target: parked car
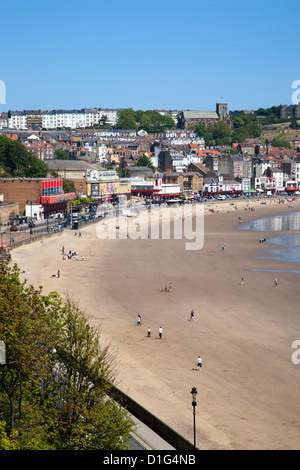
pixel 13 228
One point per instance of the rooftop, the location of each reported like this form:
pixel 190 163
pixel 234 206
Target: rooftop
pixel 200 115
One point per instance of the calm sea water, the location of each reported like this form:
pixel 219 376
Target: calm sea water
pixel 285 247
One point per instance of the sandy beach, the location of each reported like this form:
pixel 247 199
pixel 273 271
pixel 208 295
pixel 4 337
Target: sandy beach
pixel 248 387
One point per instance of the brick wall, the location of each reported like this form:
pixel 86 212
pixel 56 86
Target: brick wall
pixel 80 185
pixel 20 190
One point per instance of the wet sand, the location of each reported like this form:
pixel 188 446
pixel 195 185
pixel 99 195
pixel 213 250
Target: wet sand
pixel 248 387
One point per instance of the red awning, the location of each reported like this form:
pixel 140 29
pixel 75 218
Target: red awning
pixel 55 198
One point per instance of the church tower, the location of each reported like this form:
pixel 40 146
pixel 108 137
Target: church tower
pixel 222 111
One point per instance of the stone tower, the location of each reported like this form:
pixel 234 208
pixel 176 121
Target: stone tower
pixel 222 111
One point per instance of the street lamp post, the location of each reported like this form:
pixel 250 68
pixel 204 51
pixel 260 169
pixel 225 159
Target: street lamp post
pixel 30 223
pixel 194 403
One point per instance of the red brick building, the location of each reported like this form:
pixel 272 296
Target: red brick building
pixel 41 150
pixel 47 191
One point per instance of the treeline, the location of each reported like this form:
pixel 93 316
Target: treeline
pixel 242 127
pixel 269 116
pixel 150 121
pixel 55 376
pixel 17 161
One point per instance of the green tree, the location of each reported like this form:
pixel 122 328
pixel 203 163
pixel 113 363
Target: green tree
pixel 56 383
pixel 221 131
pixel 126 119
pixel 27 337
pixel 103 120
pixel 144 160
pixel 295 123
pixel 60 154
pixel 206 132
pixel 237 122
pixel 7 442
pixel 152 121
pixel 240 134
pixel 280 141
pixel 80 412
pixel 69 186
pixel 18 162
pixel 254 129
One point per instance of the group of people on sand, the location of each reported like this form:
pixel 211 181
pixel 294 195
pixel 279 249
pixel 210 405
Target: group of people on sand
pixel 160 330
pixel 167 288
pixel 139 322
pixel 72 254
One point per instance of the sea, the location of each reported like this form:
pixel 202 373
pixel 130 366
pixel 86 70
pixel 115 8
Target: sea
pixel 284 248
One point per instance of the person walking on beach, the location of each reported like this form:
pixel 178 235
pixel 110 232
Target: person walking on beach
pixel 223 247
pixel 242 281
pixel 139 320
pixel 199 362
pixel 58 273
pixel 275 282
pixel 160 332
pixel 192 317
pixel 149 332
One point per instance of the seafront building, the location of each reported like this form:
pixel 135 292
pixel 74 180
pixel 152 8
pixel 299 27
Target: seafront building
pixel 102 163
pixel 40 197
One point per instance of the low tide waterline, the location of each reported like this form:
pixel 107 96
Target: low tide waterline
pixel 287 245
pixel 286 221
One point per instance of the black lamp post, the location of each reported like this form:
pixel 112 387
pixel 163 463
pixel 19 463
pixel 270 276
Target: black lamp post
pixel 194 403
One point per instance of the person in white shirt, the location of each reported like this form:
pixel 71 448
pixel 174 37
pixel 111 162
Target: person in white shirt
pixel 199 362
pixel 160 332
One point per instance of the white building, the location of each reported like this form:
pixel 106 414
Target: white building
pixel 183 137
pixel 264 183
pixel 230 186
pixel 53 119
pixel 246 185
pixel 116 134
pixel 3 120
pixel 34 211
pixel 111 114
pixel 102 153
pixel 17 120
pixel 165 190
pixel 140 186
pixel 278 178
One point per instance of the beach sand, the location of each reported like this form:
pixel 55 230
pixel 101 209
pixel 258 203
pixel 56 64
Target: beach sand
pixel 248 387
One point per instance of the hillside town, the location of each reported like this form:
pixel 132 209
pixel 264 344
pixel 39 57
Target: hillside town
pixel 107 163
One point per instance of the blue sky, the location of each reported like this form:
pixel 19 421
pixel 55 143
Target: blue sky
pixel 165 54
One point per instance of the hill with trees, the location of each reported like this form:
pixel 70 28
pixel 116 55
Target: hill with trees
pixel 242 127
pixel 150 121
pixel 17 161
